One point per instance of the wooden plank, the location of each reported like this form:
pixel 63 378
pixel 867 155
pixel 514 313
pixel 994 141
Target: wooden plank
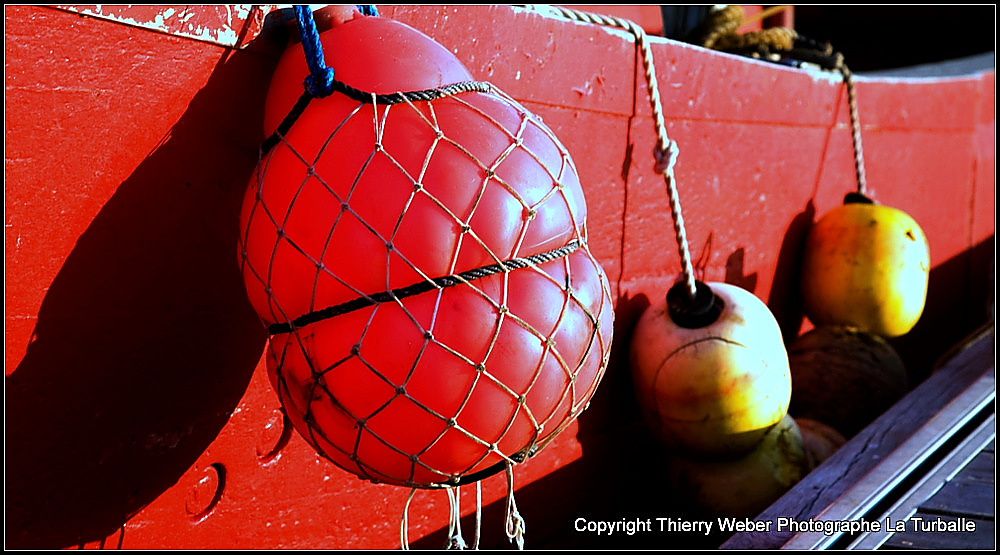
pixel 910 461
pixel 961 498
pixel 499 53
pixel 649 17
pixel 866 450
pixel 984 536
pixel 980 469
pixel 984 201
pixel 724 196
pixel 926 486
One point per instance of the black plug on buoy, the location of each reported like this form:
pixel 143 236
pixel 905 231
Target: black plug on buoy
pixel 857 198
pixel 692 313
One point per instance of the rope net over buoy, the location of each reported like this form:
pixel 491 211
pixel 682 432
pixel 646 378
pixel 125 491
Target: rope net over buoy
pixel 421 261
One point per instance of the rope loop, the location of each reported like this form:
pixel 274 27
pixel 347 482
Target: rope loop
pixel 455 539
pixel 404 523
pixel 479 515
pixel 320 84
pixel 514 522
pixel 321 78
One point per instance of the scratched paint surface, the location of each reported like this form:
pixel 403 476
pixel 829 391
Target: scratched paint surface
pixel 216 24
pixel 139 413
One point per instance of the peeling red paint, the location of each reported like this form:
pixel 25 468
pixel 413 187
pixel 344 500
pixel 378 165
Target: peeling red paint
pixel 219 24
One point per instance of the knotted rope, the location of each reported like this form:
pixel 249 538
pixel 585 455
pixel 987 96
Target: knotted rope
pixel 667 150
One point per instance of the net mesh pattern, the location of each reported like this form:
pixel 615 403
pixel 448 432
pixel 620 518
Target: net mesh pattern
pixel 360 201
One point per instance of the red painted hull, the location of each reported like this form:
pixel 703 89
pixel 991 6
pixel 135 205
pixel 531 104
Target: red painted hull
pixel 139 408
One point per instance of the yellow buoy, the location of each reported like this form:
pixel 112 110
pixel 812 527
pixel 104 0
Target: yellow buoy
pixel 866 265
pixel 746 485
pixel 712 380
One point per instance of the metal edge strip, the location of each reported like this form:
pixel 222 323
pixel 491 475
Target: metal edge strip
pixel 861 498
pixel 931 483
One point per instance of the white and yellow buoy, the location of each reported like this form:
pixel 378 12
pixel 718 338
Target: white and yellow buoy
pixel 711 373
pixel 743 486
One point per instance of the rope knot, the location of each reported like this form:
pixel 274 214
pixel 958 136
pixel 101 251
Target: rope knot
pixel 666 158
pixel 455 539
pixel 457 542
pixel 320 84
pixel 514 523
pixel 515 529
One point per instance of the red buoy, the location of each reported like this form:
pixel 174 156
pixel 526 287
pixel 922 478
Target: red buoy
pixel 423 266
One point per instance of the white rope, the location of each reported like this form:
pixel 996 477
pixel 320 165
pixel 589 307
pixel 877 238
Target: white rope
pixel 455 539
pixel 479 514
pixel 666 149
pixel 859 152
pixel 514 522
pixel 404 524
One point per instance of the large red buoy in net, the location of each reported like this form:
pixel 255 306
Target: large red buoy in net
pixel 434 310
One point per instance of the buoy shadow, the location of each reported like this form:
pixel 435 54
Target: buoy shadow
pixel 785 298
pixel 145 341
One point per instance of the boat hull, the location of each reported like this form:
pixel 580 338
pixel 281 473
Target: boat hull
pixel 140 412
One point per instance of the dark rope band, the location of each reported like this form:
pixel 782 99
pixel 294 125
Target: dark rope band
pixel 371 98
pixel 422 287
pixel 412 96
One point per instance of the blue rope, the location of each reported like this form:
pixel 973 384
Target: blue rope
pixel 320 80
pixel 321 77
